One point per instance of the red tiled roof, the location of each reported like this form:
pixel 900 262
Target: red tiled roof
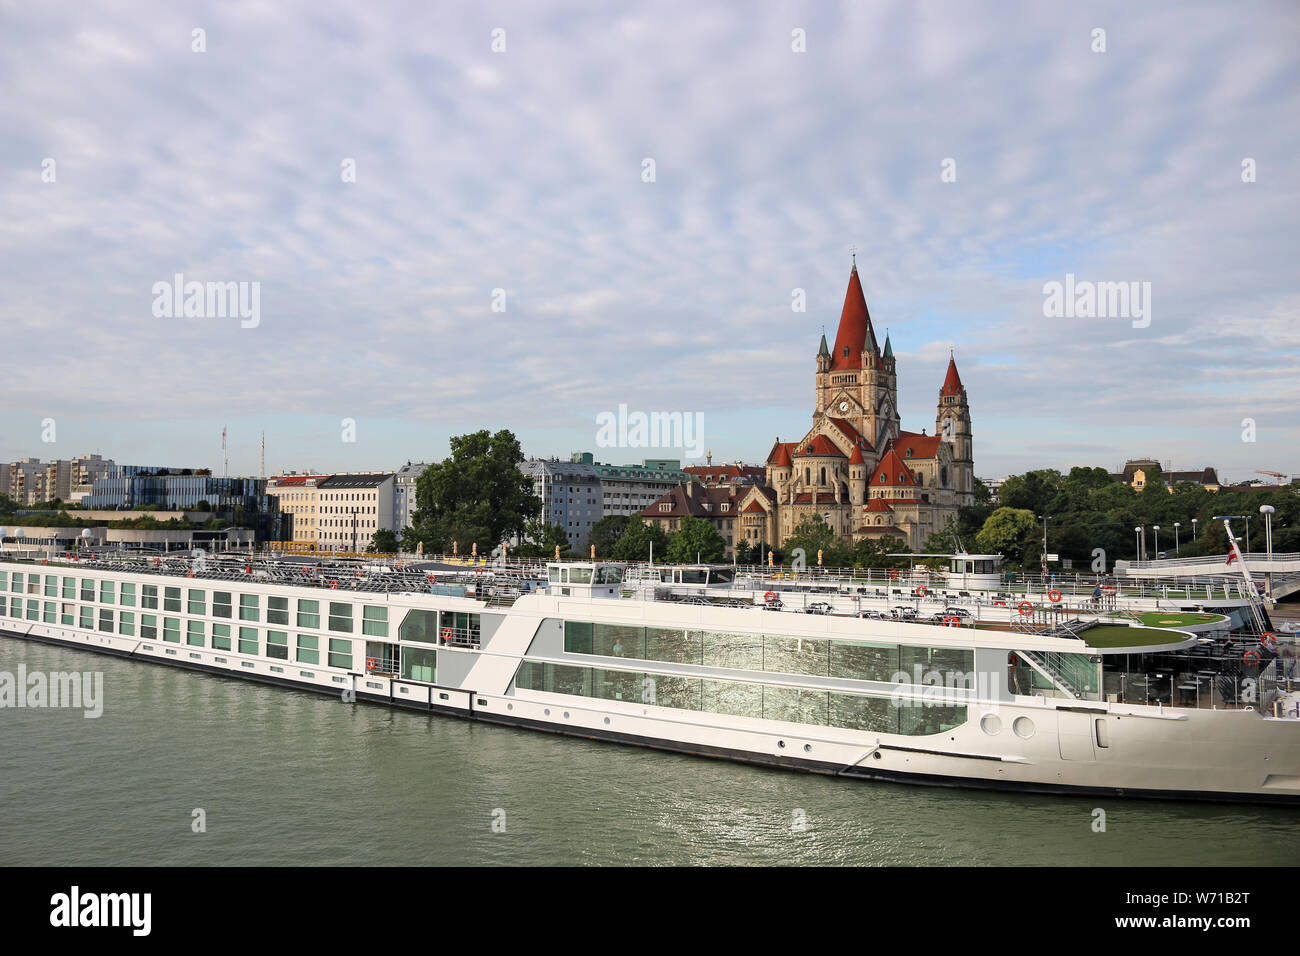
pixel 780 454
pixel 921 446
pixel 849 432
pixel 952 381
pixel 754 506
pixel 716 474
pixel 856 458
pixel 895 471
pixel 823 497
pixel 877 504
pixel 820 446
pixel 855 331
pixel 296 479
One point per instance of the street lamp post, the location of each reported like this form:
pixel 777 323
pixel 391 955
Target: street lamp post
pixel 1194 520
pixel 1177 525
pixel 1043 563
pixel 1137 532
pixel 1156 529
pixel 1267 512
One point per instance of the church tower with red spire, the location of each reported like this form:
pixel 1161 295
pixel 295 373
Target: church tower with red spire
pixel 855 380
pixel 952 424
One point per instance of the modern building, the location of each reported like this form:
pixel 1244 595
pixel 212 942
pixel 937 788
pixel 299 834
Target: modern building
pixel 629 489
pixel 132 486
pixel 404 494
pixel 351 508
pixel 570 493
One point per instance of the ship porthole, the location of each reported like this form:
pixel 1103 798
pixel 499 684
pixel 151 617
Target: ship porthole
pixel 876 755
pixel 607 720
pixel 566 715
pixel 547 712
pixel 510 706
pixel 991 724
pixel 807 748
pixel 781 744
pixel 1024 727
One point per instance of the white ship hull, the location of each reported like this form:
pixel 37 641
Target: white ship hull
pixel 1043 744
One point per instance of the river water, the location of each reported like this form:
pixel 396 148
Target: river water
pixel 282 777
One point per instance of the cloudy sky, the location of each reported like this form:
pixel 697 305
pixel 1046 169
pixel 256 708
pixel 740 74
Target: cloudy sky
pixel 524 170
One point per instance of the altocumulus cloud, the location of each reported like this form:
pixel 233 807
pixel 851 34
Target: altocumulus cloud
pixel 521 171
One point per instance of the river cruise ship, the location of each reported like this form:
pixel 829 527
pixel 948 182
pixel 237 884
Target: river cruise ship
pixel 1087 703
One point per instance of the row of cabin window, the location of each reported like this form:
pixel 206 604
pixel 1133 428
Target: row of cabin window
pixel 374 619
pixel 196 633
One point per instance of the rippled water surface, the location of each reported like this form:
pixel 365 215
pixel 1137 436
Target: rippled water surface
pixel 286 777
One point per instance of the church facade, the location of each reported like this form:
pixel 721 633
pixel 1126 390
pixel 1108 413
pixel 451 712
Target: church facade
pixel 856 467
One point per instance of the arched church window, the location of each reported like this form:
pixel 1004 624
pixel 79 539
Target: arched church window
pixel 807 476
pixel 823 476
pixel 943 476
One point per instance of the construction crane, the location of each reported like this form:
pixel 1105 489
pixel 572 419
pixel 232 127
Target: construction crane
pixel 1276 474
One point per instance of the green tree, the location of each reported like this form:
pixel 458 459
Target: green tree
pixel 384 541
pixel 540 541
pixel 606 532
pixel 477 495
pixel 879 553
pixel 1007 531
pixel 7 505
pixel 813 535
pixel 636 542
pixel 745 552
pixel 696 540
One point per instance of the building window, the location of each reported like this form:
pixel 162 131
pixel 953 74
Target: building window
pixel 221 606
pixel 197 602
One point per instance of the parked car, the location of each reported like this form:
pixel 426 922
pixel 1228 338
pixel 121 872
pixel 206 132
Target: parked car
pixel 955 612
pixel 903 613
pixel 818 607
pixel 871 614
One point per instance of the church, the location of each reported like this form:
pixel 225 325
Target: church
pixel 856 468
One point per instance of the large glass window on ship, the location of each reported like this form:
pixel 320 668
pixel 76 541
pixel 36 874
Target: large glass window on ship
pixel 308 613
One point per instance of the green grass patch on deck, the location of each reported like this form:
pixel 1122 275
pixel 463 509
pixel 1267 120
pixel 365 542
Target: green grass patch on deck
pixel 1116 635
pixel 1177 618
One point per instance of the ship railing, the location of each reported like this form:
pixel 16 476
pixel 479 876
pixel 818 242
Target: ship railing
pixel 461 637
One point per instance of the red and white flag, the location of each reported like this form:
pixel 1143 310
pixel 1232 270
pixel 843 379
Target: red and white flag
pixel 1232 555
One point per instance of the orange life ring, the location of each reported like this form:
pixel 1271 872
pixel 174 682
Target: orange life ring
pixel 189 574
pixel 1251 657
pixel 999 603
pixel 334 585
pixel 46 561
pixel 1054 596
pixel 769 597
pixel 1269 641
pixel 893 575
pixel 1108 589
pixel 919 590
pixel 446 634
pixel 1025 608
pixel 157 561
pixel 370 663
pixel 952 621
pixel 248 569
